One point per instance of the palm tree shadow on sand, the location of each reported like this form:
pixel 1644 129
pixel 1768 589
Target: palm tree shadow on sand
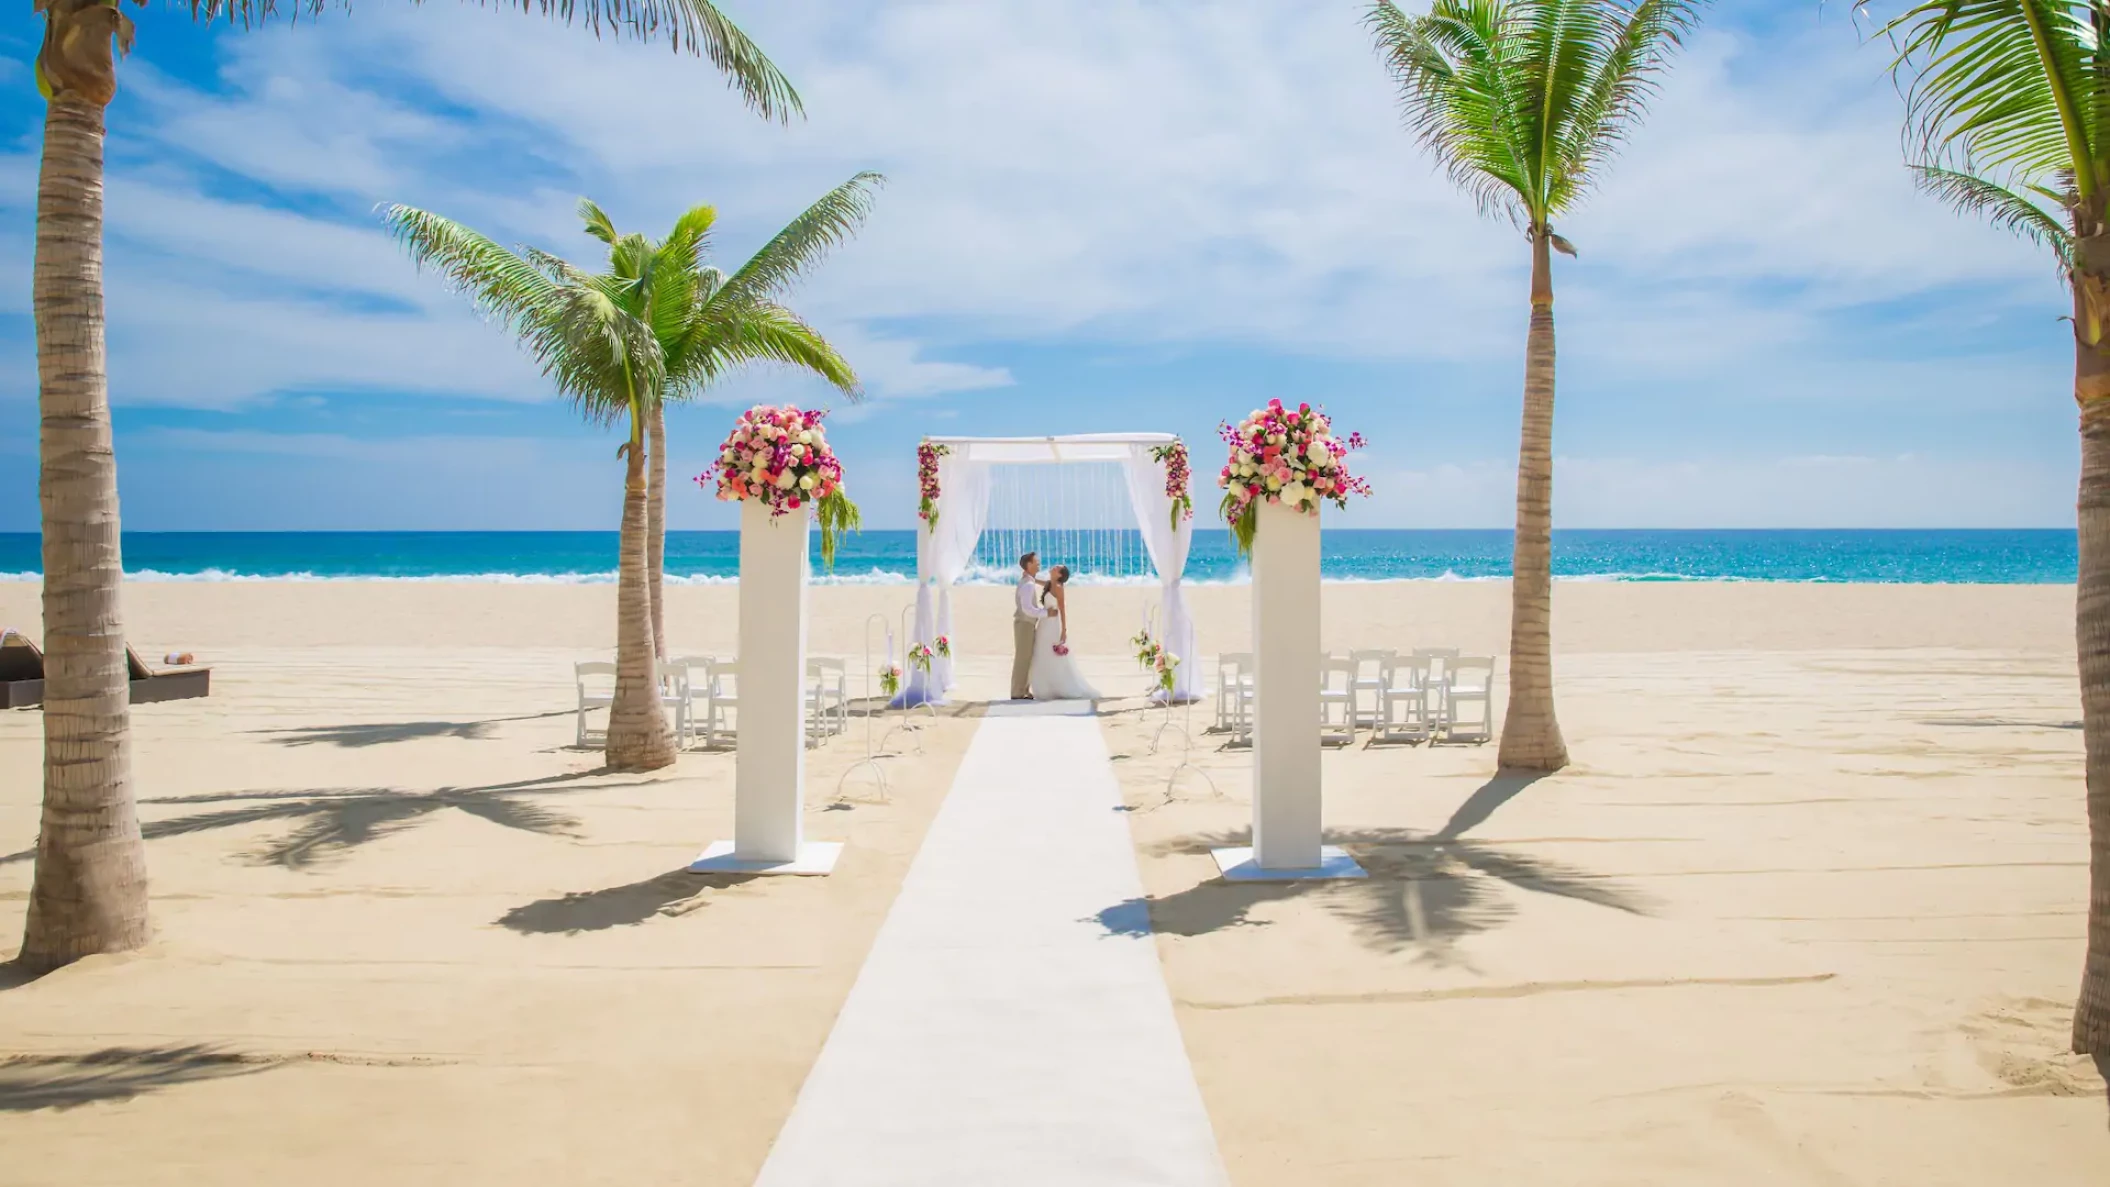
pixel 32 1082
pixel 362 735
pixel 330 822
pixel 1425 891
pixel 668 896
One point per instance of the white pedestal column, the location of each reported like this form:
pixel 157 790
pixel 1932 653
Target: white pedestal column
pixel 1286 788
pixel 769 770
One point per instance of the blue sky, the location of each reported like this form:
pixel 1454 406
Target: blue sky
pixel 1101 215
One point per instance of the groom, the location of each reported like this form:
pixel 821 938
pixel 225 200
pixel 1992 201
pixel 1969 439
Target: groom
pixel 1025 624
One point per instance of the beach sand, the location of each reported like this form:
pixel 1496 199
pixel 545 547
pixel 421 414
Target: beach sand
pixel 1807 909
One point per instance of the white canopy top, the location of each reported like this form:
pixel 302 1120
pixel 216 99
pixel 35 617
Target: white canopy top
pixel 1088 447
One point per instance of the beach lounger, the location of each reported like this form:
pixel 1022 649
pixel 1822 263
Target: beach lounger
pixel 21 672
pixel 150 684
pixel 22 676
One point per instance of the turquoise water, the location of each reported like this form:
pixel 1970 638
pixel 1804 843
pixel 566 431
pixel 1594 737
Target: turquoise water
pixel 2001 557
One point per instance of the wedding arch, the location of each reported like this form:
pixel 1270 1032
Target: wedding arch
pixel 961 477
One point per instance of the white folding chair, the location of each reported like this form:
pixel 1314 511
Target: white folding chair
pixel 1367 686
pixel 827 698
pixel 593 698
pixel 1470 685
pixel 1403 701
pixel 674 698
pixel 1234 694
pixel 1435 667
pixel 692 674
pixel 1336 699
pixel 721 699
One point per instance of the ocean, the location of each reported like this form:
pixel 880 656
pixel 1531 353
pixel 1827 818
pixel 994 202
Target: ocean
pixel 1996 557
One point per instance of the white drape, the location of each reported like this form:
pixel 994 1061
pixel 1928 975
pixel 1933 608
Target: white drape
pixel 942 554
pixel 1167 545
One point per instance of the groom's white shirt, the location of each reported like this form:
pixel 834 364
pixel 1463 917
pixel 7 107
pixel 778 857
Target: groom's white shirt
pixel 1028 604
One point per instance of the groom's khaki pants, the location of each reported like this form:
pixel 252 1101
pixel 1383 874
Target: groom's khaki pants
pixel 1023 629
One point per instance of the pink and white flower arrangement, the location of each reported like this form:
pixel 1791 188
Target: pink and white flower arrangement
pixel 1177 479
pixel 1166 665
pixel 920 656
pixel 1152 657
pixel 944 647
pixel 927 456
pixel 1286 456
pixel 781 457
pixel 890 680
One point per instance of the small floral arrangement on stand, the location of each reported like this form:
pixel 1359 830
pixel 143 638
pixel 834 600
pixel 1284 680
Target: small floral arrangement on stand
pixel 943 647
pixel 781 457
pixel 1166 665
pixel 1147 649
pixel 890 680
pixel 1177 479
pixel 927 456
pixel 920 656
pixel 1285 456
pixel 1152 657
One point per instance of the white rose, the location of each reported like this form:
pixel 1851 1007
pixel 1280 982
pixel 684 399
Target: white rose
pixel 806 483
pixel 785 479
pixel 1315 450
pixel 805 437
pixel 1294 493
pixel 798 451
pixel 1243 456
pixel 1274 483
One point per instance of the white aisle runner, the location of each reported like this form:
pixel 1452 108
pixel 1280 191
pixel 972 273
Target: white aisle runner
pixel 1000 1033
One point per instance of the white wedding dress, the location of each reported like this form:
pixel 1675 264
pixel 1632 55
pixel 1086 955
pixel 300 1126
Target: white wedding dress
pixel 1055 677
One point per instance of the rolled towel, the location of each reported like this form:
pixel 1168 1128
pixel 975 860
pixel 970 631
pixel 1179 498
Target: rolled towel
pixel 179 658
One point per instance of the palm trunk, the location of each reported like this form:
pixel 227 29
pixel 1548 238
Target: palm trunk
pixel 89 894
pixel 656 527
pixel 2091 387
pixel 1531 736
pixel 637 727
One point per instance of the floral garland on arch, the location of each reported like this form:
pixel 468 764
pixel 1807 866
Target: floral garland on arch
pixel 781 457
pixel 1284 455
pixel 1177 479
pixel 927 456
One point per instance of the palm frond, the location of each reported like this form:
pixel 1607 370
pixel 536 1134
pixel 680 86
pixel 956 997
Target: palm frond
pixel 1519 100
pixel 695 26
pixel 804 241
pixel 598 224
pixel 572 322
pixel 1626 67
pixel 509 288
pixel 727 337
pixel 1464 97
pixel 2000 205
pixel 2005 84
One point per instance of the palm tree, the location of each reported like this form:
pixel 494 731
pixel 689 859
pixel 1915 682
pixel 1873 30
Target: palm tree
pixel 2008 118
pixel 729 322
pixel 594 335
pixel 88 894
pixel 1522 102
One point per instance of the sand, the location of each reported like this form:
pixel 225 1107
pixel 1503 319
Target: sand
pixel 1806 910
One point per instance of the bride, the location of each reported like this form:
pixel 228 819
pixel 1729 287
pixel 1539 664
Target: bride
pixel 1055 676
